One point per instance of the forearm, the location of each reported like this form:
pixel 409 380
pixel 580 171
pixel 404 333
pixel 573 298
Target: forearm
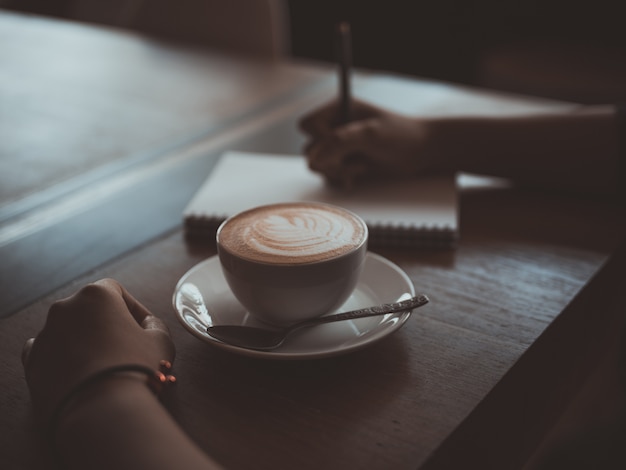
pixel 576 150
pixel 120 424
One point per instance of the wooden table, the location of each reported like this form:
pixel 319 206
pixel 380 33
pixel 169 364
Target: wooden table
pixel 522 312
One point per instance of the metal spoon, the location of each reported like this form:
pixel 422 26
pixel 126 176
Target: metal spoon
pixel 265 339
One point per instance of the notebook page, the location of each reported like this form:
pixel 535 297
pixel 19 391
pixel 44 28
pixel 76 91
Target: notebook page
pixel 242 180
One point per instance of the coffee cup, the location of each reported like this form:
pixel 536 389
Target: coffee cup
pixel 288 262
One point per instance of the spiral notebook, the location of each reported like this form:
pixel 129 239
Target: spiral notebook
pixel 409 213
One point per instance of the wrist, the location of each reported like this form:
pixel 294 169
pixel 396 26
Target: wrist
pixel 108 385
pixel 101 426
pixel 92 403
pixel 444 141
pixel 120 423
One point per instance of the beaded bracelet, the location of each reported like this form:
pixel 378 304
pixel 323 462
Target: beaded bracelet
pixel 156 380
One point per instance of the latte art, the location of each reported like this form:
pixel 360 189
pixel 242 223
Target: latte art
pixel 295 232
pixel 292 233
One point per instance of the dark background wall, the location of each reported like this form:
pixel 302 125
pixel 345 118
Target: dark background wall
pixel 566 49
pixel 446 38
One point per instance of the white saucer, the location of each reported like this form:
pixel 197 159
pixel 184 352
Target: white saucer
pixel 202 298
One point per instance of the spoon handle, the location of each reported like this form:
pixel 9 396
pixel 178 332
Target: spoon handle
pixel 408 304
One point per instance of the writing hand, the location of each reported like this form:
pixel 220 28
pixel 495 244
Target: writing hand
pixel 376 143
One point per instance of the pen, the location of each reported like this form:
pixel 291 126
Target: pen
pixel 344 53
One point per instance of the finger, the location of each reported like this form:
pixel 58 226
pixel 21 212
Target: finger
pixel 159 330
pixel 154 323
pixel 153 326
pixel 28 346
pixel 316 126
pixel 324 158
pixel 306 149
pixel 326 118
pixel 136 309
pixel 329 154
pixel 353 172
pixel 320 121
pixel 364 110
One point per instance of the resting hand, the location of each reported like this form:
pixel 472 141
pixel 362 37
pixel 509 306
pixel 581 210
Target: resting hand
pixel 100 326
pixel 376 142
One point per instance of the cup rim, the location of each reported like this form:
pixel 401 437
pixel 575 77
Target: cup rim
pixel 354 249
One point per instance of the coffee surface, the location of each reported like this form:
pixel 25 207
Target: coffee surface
pixel 292 233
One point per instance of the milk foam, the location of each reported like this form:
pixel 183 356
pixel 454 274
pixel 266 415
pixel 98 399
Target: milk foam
pixel 292 233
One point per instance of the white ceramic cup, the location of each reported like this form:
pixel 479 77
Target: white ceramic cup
pixel 292 261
